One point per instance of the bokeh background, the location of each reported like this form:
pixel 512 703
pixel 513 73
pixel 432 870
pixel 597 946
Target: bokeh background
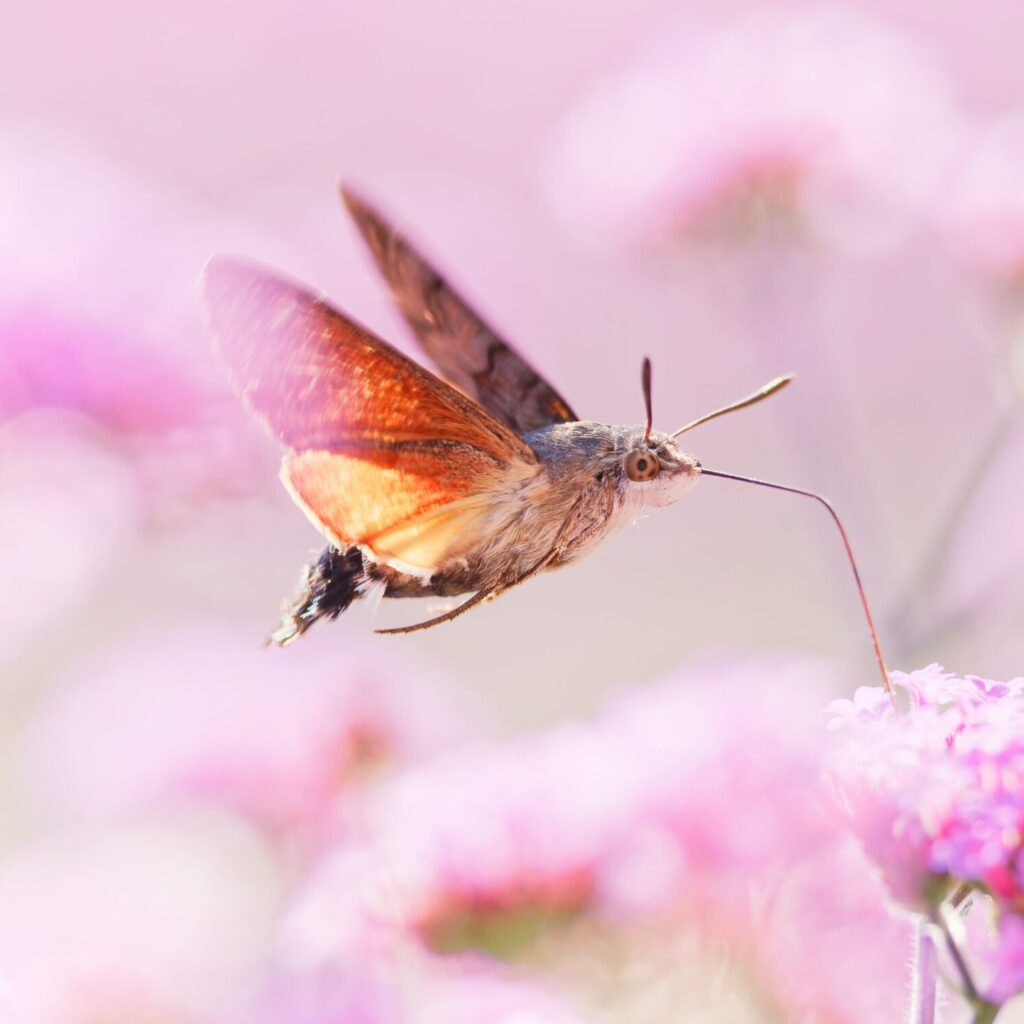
pixel 734 189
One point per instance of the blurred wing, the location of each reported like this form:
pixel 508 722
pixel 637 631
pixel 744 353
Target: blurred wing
pixel 459 342
pixel 384 454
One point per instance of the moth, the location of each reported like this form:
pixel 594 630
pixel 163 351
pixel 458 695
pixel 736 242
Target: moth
pixel 424 487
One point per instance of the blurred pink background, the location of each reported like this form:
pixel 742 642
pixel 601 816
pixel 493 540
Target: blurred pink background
pixel 734 189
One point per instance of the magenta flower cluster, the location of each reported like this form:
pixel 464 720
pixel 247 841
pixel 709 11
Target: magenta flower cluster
pixel 935 793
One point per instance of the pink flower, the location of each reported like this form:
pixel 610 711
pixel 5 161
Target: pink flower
pixel 470 990
pixel 931 687
pixel 98 308
pixel 99 316
pixel 827 947
pixel 56 361
pixel 984 841
pixel 692 808
pixel 200 715
pixel 157 921
pixel 938 793
pixel 724 759
pixel 681 799
pixel 70 509
pixel 868 704
pixel 1007 960
pixel 820 117
pixel 492 831
pixel 983 213
pixel 407 987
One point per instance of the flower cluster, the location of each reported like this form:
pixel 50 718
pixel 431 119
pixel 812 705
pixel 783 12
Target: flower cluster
pixel 983 217
pixel 689 808
pixel 624 815
pixel 936 796
pixel 284 739
pixel 822 118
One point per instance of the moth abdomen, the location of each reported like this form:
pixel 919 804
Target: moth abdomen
pixel 327 587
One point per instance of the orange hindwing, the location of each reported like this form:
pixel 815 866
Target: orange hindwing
pixel 384 454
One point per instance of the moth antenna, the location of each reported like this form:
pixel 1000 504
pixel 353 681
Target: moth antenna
pixel 645 383
pixel 769 389
pixel 849 554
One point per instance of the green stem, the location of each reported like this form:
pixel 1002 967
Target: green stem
pixel 970 989
pixel 984 1011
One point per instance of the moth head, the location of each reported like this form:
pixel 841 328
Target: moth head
pixel 653 464
pixel 656 471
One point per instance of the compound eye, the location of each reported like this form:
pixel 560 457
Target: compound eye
pixel 642 464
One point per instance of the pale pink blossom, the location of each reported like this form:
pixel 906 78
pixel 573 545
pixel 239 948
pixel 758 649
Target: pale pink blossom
pixel 826 945
pixel 724 758
pixel 406 986
pixel 99 315
pixel 1006 961
pixel 679 800
pixel 53 359
pixel 71 512
pixel 495 830
pixel 157 921
pixel 820 116
pixel 882 783
pixel 341 912
pixel 98 291
pixel 349 997
pixel 930 687
pixel 868 704
pixel 694 805
pixel 982 214
pixel 192 713
pixel 470 990
pixel 936 795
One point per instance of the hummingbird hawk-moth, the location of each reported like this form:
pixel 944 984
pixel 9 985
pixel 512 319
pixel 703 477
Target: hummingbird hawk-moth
pixel 422 487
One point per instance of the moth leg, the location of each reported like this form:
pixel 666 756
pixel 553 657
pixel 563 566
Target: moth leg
pixel 530 573
pixel 476 599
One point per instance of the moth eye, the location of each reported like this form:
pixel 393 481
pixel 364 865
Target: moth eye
pixel 642 464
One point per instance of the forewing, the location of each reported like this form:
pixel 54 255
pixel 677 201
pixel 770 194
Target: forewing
pixel 464 348
pixel 385 455
pixel 319 380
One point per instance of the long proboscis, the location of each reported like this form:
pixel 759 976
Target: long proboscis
pixel 762 393
pixel 846 544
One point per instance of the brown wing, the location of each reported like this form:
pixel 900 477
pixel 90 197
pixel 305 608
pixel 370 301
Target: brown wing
pixel 384 454
pixel 465 349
